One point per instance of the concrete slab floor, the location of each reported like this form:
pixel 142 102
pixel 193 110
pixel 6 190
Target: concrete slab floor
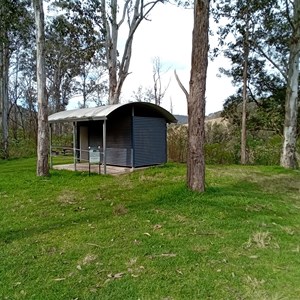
pixel 84 167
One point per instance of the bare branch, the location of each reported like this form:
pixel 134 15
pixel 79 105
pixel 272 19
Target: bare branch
pixel 136 20
pixel 125 9
pixel 181 85
pixel 253 96
pixel 287 9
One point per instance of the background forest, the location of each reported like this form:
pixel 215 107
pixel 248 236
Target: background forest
pixel 82 59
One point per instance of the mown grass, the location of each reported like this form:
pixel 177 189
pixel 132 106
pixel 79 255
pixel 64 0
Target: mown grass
pixel 145 236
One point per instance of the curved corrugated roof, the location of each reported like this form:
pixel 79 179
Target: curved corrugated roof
pixel 102 112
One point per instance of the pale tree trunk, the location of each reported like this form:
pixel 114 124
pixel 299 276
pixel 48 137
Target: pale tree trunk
pixel 111 42
pixel 14 109
pixel 196 100
pixel 244 118
pixel 1 82
pixel 118 70
pixel 4 67
pixel 245 95
pixel 288 156
pixel 5 101
pixel 43 130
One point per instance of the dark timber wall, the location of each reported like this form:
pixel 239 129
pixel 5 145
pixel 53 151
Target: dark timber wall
pixel 149 141
pixel 118 141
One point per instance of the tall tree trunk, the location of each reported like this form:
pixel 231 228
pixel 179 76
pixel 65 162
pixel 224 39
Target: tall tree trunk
pixel 288 156
pixel 245 94
pixel 111 42
pixel 14 110
pixel 196 100
pixel 4 69
pixel 43 130
pixel 1 84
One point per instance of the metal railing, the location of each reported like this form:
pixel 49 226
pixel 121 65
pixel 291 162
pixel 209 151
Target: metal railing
pixel 92 156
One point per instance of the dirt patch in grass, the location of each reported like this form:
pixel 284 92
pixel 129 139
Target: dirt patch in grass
pixel 67 197
pixel 261 240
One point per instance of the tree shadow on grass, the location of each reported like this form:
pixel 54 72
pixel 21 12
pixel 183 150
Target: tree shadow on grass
pixel 10 235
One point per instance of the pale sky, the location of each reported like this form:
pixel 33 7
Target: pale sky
pixel 169 36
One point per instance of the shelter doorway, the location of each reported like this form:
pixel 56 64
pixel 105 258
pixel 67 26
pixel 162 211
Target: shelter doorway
pixel 84 143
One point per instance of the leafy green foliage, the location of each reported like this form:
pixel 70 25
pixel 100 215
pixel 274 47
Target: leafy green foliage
pixel 268 54
pixel 16 22
pixel 264 114
pixel 72 44
pixel 145 235
pixel 20 148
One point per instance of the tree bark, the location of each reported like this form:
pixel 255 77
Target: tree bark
pixel 196 100
pixel 111 43
pixel 288 157
pixel 43 129
pixel 4 69
pixel 245 94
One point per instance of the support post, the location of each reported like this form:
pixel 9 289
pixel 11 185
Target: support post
pixel 104 147
pixel 99 164
pixel 74 143
pixel 132 139
pixel 131 155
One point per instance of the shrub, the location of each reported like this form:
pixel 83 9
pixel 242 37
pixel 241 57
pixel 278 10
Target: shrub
pixel 219 154
pixel 265 151
pixel 177 143
pixel 22 147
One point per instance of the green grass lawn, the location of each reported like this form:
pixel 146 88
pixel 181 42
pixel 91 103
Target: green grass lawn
pixel 145 236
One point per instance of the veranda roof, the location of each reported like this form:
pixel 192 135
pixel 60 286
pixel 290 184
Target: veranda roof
pixel 102 112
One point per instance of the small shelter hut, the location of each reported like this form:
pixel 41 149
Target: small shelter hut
pixel 128 135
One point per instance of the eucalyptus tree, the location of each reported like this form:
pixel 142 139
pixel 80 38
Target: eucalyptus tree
pixel 71 45
pixel 43 130
pixel 14 23
pixel 143 94
pixel 109 18
pixel 23 86
pixel 113 16
pixel 288 157
pixel 4 66
pixel 22 65
pixel 238 23
pixel 280 47
pixel 91 85
pixel 157 92
pixel 265 113
pixel 196 99
pixel 275 41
